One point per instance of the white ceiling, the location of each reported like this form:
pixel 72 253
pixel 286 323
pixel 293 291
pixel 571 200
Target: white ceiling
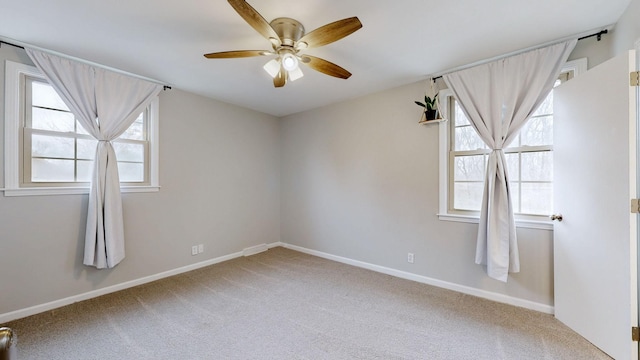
pixel 402 41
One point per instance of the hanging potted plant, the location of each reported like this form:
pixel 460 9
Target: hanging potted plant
pixel 430 106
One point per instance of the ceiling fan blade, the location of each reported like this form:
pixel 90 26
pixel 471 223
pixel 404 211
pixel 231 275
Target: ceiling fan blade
pixel 281 79
pixel 325 67
pixel 237 54
pixel 329 33
pixel 251 16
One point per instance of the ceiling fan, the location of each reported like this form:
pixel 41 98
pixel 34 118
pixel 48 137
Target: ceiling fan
pixel 288 39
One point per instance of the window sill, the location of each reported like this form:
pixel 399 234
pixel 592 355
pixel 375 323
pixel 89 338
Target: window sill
pixel 520 223
pixel 43 191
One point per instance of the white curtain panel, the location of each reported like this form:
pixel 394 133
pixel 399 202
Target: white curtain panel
pixel 106 104
pixel 498 98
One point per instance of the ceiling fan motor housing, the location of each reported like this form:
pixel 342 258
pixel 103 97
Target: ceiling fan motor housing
pixel 289 30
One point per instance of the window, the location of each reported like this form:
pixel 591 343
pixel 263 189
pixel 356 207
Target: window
pixel 48 152
pixel 463 158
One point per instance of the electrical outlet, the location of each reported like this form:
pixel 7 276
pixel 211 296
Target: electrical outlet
pixel 410 258
pixel 200 248
pixel 194 250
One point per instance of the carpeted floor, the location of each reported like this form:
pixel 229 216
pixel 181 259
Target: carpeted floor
pixel 283 304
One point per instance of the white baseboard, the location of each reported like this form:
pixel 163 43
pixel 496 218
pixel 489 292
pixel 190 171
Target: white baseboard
pixel 501 298
pixel 18 314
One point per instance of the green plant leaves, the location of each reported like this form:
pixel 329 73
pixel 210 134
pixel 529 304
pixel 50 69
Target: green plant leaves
pixel 429 103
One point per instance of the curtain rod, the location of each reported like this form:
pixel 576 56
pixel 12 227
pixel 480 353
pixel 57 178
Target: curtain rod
pixel 23 45
pixel 597 34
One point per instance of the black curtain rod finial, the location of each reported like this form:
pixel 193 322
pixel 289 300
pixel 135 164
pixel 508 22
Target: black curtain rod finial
pixel 598 35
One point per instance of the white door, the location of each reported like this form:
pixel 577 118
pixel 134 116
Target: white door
pixel 595 251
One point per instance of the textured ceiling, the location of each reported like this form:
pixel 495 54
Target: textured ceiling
pixel 400 42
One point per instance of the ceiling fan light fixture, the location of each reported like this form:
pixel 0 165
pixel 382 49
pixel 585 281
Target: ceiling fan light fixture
pixel 289 62
pixel 272 67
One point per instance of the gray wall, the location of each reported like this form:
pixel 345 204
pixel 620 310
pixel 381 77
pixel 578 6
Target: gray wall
pixel 219 173
pixel 361 182
pixel 627 30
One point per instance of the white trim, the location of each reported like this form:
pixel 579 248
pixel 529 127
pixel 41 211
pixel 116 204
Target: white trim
pixel 443 151
pixel 578 66
pixel 520 223
pixel 501 298
pixel 45 191
pixel 154 144
pixel 18 314
pixel 13 72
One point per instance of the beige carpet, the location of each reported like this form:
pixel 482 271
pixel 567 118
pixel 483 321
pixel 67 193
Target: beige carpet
pixel 283 304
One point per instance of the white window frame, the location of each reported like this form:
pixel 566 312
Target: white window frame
pixel 12 144
pixel 578 67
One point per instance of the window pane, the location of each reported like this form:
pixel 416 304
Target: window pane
pixel 461 118
pixel 515 142
pixel 85 170
pixel 131 172
pixel 87 149
pixel 136 130
pixel 538 131
pixel 468 195
pixel 515 196
pixel 44 95
pixel 54 120
pixel 129 152
pixel 513 166
pixel 467 139
pixel 537 166
pixel 546 108
pixel 52 146
pixel 80 129
pixel 469 168
pixel 537 198
pixel 50 170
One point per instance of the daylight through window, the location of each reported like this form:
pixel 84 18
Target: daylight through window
pixel 464 156
pixel 529 163
pixel 57 150
pixel 48 152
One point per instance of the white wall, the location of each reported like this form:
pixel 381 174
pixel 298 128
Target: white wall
pixel 219 173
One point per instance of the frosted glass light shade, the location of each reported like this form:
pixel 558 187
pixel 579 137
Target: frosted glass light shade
pixel 272 67
pixel 295 74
